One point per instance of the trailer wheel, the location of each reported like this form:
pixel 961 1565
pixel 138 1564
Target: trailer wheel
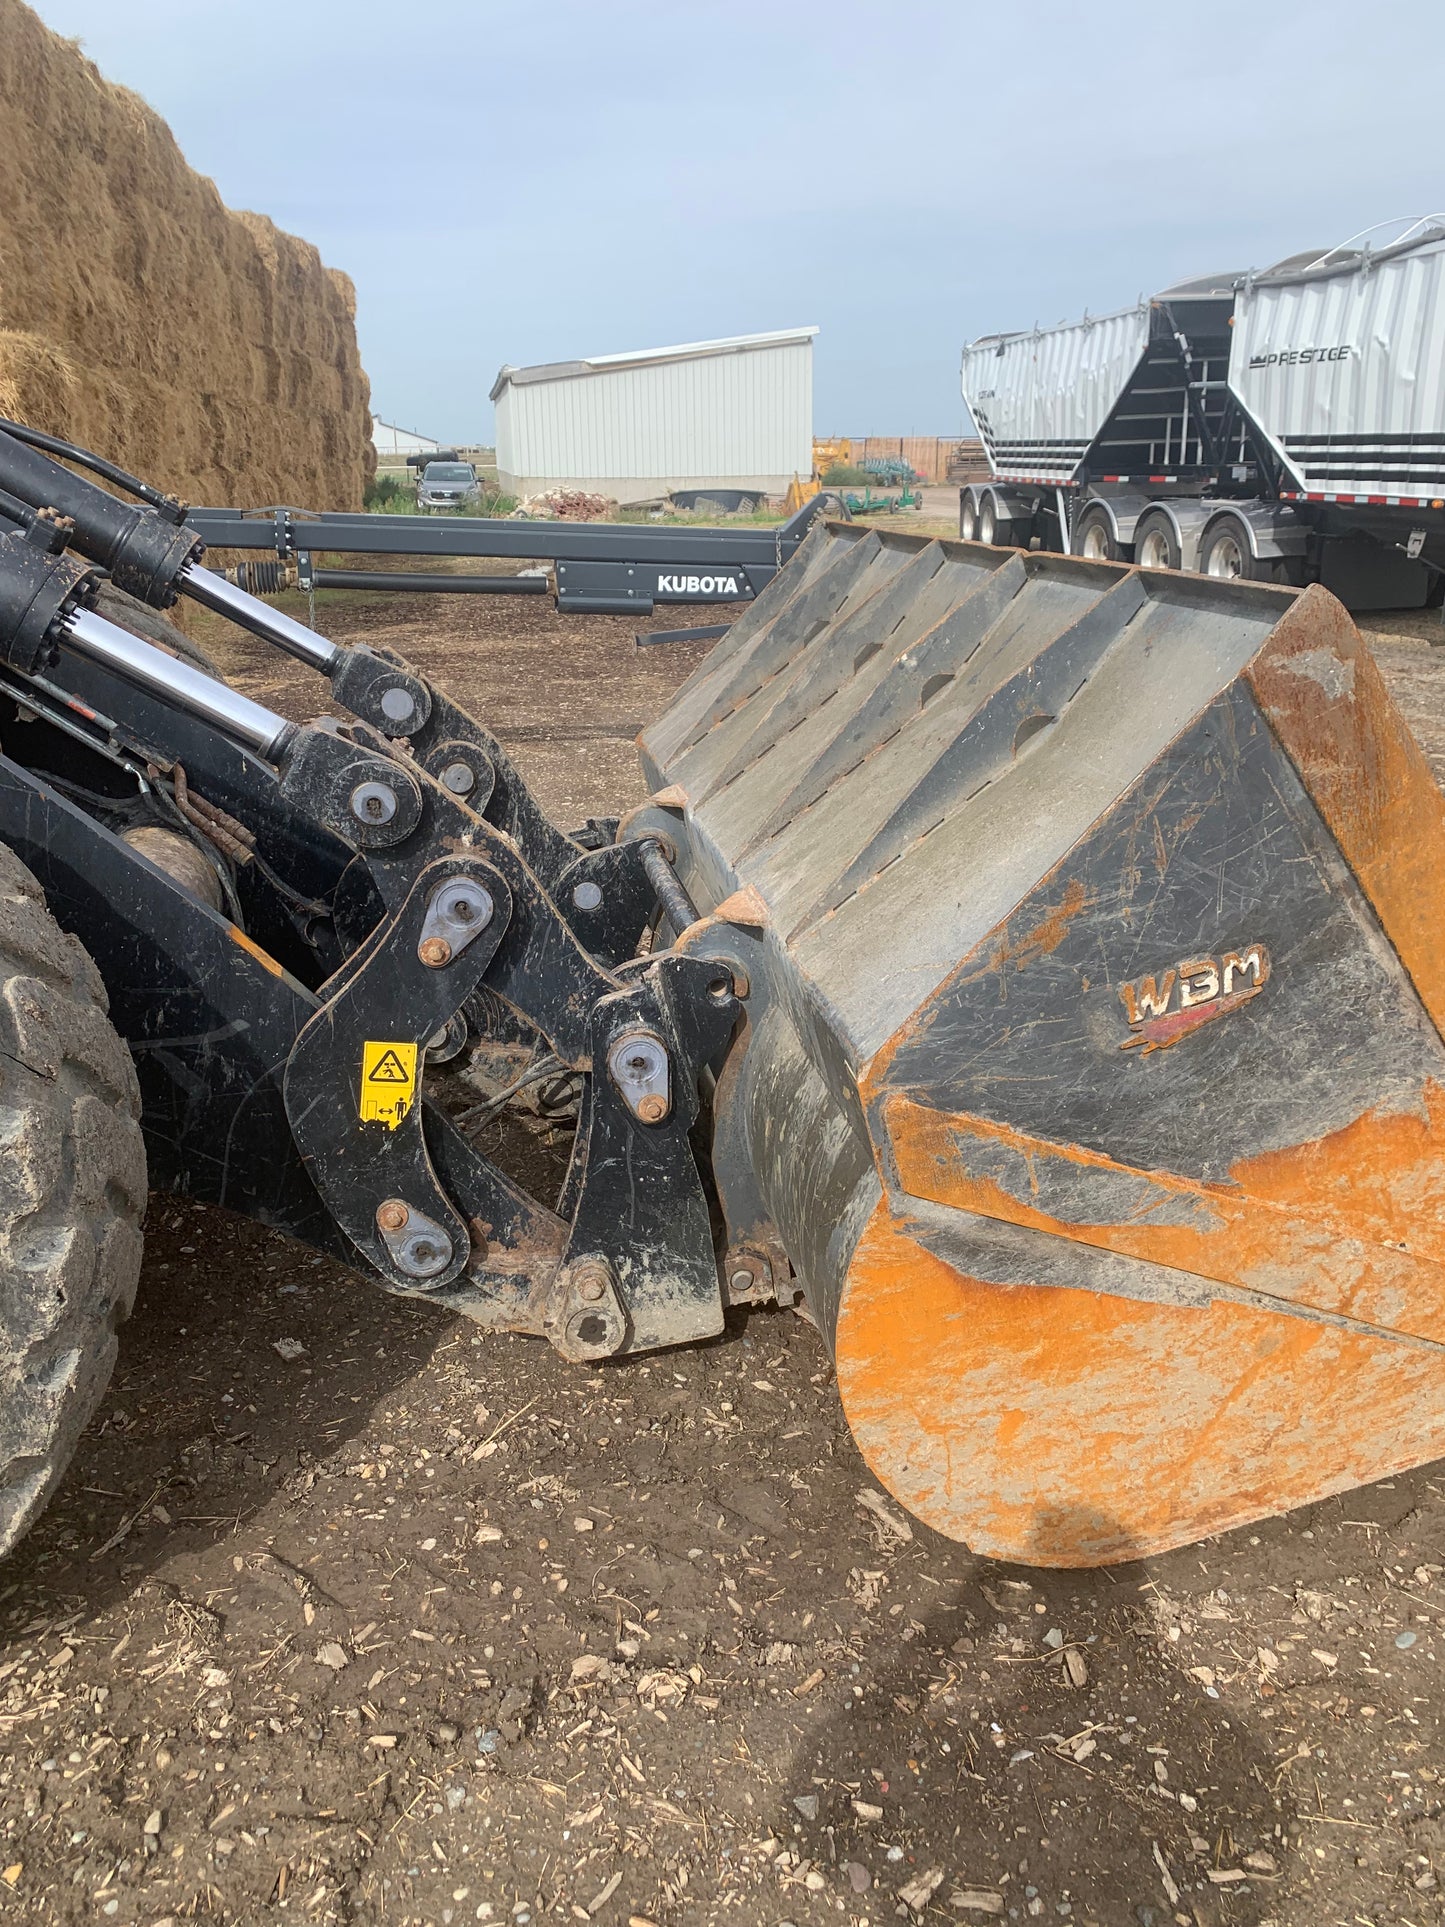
pixel 1225 554
pixel 72 1195
pixel 124 610
pixel 988 523
pixel 968 517
pixel 1094 537
pixel 1156 546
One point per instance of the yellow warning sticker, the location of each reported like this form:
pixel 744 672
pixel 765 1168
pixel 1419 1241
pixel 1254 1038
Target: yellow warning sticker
pixel 388 1083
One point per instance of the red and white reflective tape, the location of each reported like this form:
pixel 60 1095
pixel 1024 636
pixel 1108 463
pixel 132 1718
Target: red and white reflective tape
pixel 1366 501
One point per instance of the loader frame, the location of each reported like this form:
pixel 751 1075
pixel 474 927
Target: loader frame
pixel 372 875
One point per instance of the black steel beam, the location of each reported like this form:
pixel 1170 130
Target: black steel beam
pixel 287 532
pixel 416 580
pixel 709 632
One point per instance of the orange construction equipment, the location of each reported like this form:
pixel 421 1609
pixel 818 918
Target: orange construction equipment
pixel 800 493
pixel 1092 1081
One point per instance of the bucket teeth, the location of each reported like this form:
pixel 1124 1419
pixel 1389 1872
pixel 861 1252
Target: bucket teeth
pixel 1093 1079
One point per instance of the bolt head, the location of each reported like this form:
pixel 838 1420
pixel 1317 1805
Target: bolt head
pixel 434 952
pixel 587 895
pixel 741 1281
pixel 392 1215
pixel 459 779
pixel 652 1109
pixel 592 1291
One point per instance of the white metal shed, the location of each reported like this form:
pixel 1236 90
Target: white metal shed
pixel 734 414
pixel 394 444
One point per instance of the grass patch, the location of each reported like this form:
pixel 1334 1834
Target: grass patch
pixel 386 495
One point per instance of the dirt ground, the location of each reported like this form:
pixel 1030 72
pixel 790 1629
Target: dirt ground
pixel 350 1614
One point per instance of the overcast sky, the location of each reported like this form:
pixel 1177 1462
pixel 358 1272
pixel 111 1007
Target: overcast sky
pixel 520 183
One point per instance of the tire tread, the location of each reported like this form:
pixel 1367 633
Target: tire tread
pixel 72 1195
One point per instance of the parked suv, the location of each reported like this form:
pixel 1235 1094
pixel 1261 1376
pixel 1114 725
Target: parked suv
pixel 447 485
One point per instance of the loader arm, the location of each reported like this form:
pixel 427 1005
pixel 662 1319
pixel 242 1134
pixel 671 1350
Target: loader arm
pixel 148 553
pixel 415 900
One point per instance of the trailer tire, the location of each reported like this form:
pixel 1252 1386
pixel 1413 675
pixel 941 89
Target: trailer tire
pixel 989 524
pixel 1093 538
pixel 1156 546
pixel 124 610
pixel 72 1196
pixel 1226 555
pixel 968 517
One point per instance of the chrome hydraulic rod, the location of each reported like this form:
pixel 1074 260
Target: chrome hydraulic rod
pixel 260 729
pixel 214 592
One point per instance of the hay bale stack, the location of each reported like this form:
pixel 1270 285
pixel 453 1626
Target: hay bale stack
pixel 202 348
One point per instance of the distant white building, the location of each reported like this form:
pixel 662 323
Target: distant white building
pixel 394 444
pixel 735 414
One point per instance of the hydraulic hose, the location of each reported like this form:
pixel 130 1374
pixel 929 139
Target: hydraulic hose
pixel 144 554
pixel 151 558
pixel 97 464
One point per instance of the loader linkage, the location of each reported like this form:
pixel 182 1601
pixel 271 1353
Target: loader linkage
pixel 401 862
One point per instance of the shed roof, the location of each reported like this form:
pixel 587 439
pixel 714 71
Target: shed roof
pixel 646 357
pixel 407 434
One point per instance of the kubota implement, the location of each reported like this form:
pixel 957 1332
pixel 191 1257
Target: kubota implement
pixel 1034 962
pixel 598 567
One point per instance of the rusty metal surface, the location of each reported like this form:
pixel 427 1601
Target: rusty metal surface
pixel 1097 1089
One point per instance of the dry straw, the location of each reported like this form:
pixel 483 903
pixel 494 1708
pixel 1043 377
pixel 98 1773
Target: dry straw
pixel 204 348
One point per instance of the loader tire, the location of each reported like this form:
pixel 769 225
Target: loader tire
pixel 118 607
pixel 72 1195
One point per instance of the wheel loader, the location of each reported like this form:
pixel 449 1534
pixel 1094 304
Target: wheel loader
pixel 1036 964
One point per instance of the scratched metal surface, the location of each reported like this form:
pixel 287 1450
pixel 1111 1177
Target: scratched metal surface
pixel 900 741
pixel 1100 1095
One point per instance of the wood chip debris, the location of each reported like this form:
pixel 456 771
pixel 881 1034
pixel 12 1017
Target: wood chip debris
pixel 891 1524
pixel 595 1905
pixel 976 1900
pixel 921 1890
pixel 1171 1889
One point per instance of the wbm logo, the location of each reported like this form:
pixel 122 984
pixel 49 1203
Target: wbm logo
pixel 1161 1010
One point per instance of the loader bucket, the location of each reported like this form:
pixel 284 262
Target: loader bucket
pixel 1093 1079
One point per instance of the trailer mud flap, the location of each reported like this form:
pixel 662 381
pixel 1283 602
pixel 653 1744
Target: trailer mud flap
pixel 1093 1082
